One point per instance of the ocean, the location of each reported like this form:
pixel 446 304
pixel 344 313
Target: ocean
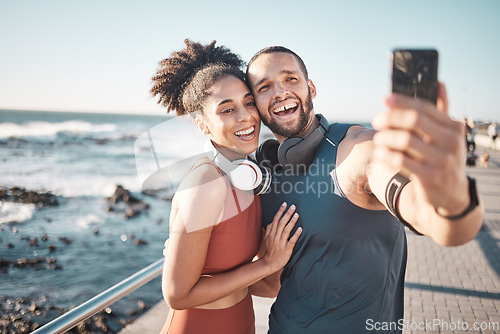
pixel 80 158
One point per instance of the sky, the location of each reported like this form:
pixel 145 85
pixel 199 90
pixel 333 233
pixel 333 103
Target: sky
pixel 99 56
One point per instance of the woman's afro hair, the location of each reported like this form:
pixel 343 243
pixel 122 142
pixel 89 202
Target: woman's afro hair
pixel 204 63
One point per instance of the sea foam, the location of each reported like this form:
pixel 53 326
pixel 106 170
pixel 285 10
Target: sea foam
pixel 15 212
pixel 41 129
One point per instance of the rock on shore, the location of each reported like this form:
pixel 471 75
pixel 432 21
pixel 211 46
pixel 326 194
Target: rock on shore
pixel 123 201
pixel 21 195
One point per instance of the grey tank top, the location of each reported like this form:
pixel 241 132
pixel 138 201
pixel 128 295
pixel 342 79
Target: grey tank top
pixel 346 273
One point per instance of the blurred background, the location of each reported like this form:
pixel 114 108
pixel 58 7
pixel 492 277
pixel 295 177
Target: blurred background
pixel 74 98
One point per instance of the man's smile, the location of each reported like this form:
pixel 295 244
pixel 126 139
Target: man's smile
pixel 285 109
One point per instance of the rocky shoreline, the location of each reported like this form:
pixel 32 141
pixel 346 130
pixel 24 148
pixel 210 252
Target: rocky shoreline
pixel 26 314
pixel 37 263
pixel 23 196
pixel 122 201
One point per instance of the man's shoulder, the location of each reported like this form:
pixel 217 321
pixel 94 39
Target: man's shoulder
pixel 354 159
pixel 356 149
pixel 357 137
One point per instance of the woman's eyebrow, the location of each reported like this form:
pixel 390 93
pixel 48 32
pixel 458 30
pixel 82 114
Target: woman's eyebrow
pixel 231 100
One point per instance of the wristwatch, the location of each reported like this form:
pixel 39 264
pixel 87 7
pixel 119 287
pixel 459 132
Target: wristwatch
pixel 474 201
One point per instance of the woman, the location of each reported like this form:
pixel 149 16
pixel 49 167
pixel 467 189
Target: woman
pixel 208 271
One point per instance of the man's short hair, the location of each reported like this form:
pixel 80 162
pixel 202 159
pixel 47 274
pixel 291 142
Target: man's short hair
pixel 273 49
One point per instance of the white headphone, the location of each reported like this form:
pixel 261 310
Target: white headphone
pixel 244 174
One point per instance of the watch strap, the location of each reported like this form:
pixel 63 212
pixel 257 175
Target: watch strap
pixel 474 201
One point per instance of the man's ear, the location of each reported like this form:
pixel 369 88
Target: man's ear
pixel 312 88
pixel 202 125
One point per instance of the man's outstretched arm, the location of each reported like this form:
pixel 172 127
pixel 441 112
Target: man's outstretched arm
pixel 419 140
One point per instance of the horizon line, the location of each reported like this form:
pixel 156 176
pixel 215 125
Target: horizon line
pixel 89 112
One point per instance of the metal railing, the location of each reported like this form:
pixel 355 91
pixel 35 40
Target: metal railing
pixel 98 303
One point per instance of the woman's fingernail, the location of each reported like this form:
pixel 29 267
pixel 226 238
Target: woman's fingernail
pixel 295 215
pixel 292 207
pixel 284 204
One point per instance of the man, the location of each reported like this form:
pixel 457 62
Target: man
pixel 347 271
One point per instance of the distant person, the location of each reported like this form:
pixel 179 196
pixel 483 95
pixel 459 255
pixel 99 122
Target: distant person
pixel 465 123
pixel 346 273
pixel 493 133
pixel 471 137
pixel 208 275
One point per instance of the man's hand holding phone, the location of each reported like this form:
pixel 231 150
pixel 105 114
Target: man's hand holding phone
pixel 418 138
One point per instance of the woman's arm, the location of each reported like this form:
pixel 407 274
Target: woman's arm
pixel 200 208
pixel 267 287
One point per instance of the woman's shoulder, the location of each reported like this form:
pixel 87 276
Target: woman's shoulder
pixel 201 197
pixel 204 178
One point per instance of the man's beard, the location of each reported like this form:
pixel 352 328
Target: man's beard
pixel 294 131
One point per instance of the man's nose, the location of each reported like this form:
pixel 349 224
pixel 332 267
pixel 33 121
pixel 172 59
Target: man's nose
pixel 280 91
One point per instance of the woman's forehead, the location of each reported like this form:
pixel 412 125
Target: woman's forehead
pixel 229 88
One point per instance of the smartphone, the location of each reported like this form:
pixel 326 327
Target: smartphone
pixel 415 73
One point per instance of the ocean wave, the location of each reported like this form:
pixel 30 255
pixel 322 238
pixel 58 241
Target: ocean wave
pixel 47 129
pixel 100 185
pixel 15 212
pixel 88 220
pixel 73 186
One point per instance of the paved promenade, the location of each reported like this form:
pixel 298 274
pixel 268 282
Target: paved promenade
pixel 459 286
pixel 447 289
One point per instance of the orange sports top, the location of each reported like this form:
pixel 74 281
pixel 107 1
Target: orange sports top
pixel 236 239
